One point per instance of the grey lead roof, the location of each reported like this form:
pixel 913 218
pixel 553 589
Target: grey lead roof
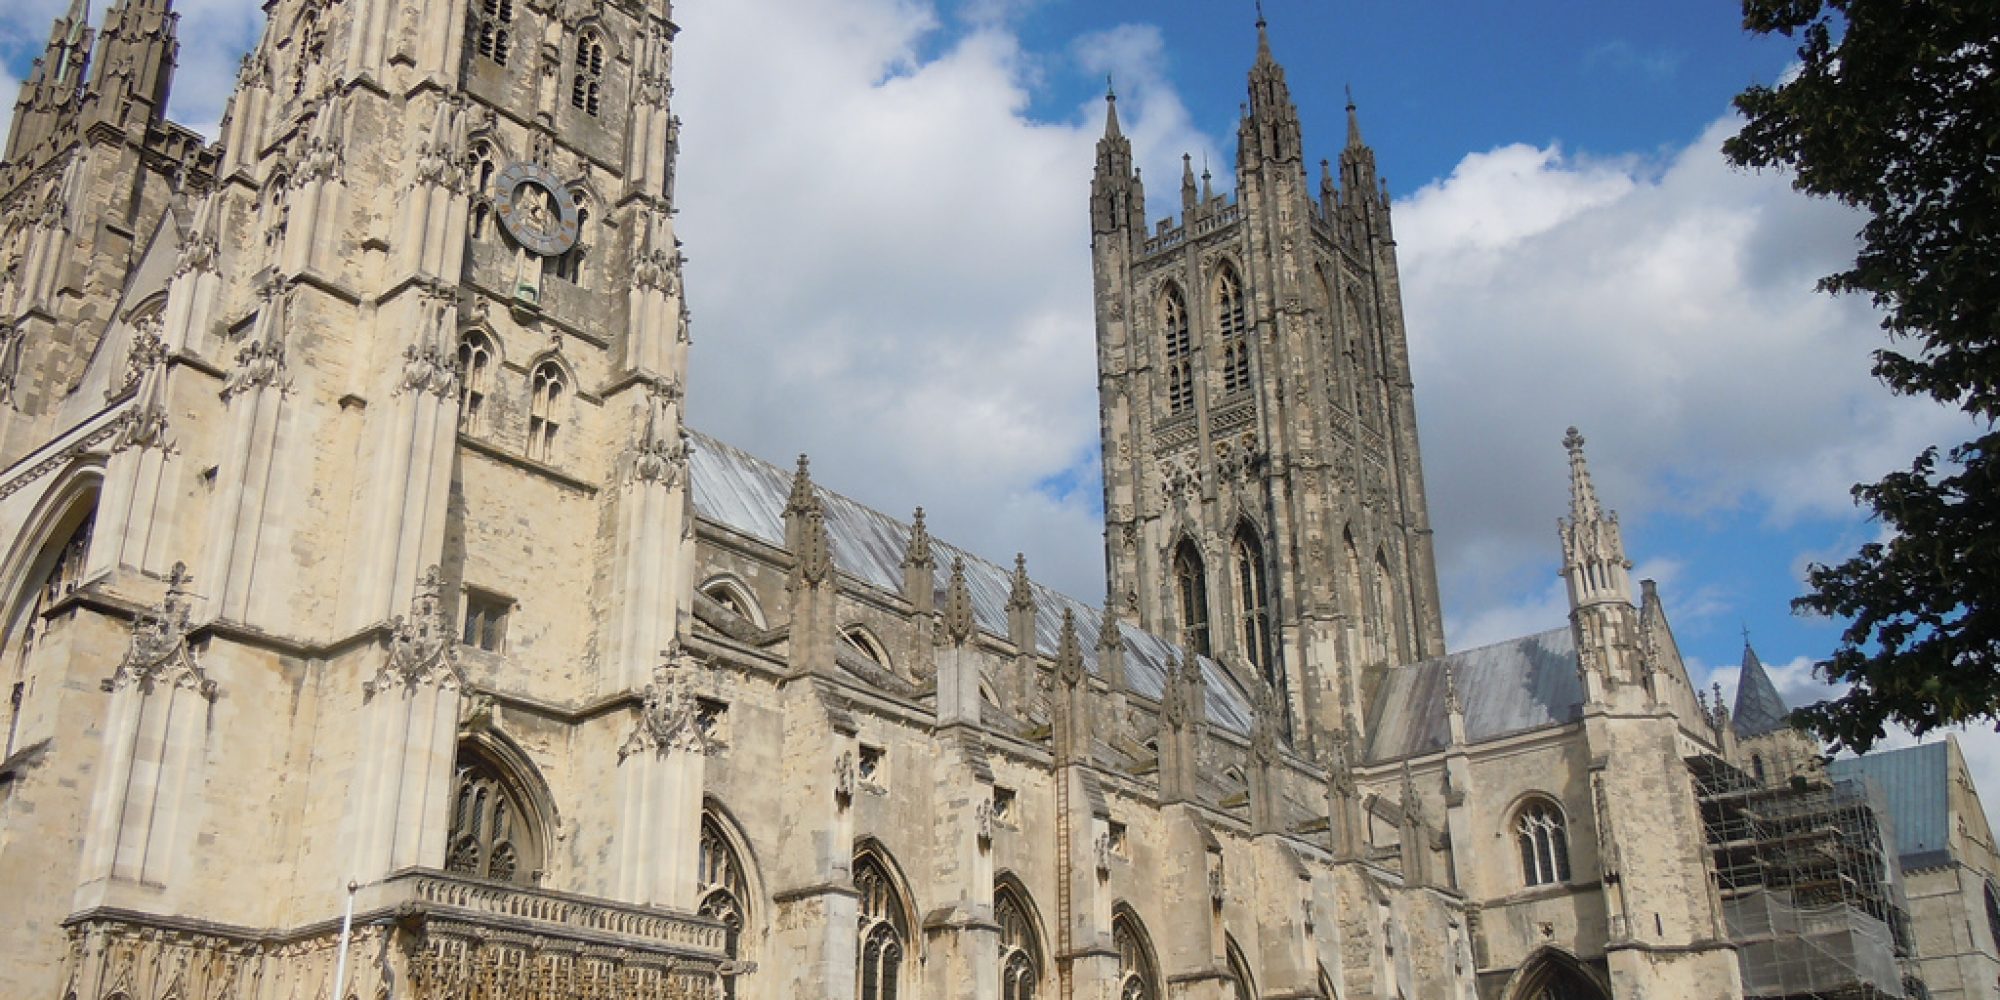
pixel 747 494
pixel 1916 782
pixel 1508 687
pixel 1759 709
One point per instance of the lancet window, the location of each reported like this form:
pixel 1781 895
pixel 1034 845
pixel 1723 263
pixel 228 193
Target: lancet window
pixel 1233 328
pixel 475 364
pixel 1180 352
pixel 545 394
pixel 1540 831
pixel 482 205
pixel 492 28
pixel 1137 979
pixel 723 891
pixel 883 931
pixel 1253 605
pixel 1020 954
pixel 569 265
pixel 1191 585
pixel 587 76
pixel 491 836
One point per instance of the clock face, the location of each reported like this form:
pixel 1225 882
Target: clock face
pixel 536 210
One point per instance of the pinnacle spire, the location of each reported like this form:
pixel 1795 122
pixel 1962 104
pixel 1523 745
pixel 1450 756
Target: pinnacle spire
pixel 1110 110
pixel 1263 35
pixel 1353 122
pixel 1593 549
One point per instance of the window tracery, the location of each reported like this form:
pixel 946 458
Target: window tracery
pixel 64 573
pixel 492 29
pixel 1253 603
pixel 882 931
pixel 1233 328
pixel 491 837
pixel 1020 955
pixel 545 391
pixel 1191 584
pixel 587 76
pixel 723 892
pixel 1180 352
pixel 1541 833
pixel 1137 979
pixel 475 361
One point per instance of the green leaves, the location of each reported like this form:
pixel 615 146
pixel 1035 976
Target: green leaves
pixel 1895 110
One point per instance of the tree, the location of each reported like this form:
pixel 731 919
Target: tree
pixel 1895 110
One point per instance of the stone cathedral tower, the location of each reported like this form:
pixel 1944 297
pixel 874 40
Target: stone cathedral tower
pixel 1263 491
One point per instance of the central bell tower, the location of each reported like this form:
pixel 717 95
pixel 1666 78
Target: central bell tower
pixel 1263 494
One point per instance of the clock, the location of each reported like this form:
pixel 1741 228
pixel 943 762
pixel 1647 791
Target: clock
pixel 536 210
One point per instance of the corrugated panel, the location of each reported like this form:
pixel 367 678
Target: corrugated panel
pixel 1916 783
pixel 1508 687
pixel 735 488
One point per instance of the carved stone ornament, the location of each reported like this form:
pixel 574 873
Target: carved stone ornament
pixel 149 350
pixel 660 452
pixel 422 649
pixel 1102 849
pixel 815 553
pixel 918 553
pixel 12 340
pixel 1218 883
pixel 1174 699
pixel 534 206
pixel 843 778
pixel 982 822
pixel 1069 653
pixel 1264 731
pixel 670 721
pixel 956 615
pixel 1339 765
pixel 257 364
pixel 159 653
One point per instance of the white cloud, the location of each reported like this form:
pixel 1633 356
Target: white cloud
pixel 889 261
pixel 1667 308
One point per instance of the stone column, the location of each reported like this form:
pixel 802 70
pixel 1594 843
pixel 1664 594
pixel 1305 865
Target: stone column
pixel 662 771
pixel 155 736
pixel 410 743
pixel 652 566
pixel 813 947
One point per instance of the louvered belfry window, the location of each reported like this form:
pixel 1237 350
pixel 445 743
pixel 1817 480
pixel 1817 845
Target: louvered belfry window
pixel 1180 353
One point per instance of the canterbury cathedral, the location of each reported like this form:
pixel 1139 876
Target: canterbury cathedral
pixel 376 625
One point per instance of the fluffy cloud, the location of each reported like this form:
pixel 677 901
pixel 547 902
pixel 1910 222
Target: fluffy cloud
pixel 889 261
pixel 1667 308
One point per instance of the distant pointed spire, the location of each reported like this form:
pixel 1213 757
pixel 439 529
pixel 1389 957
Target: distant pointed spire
pixel 1263 35
pixel 957 617
pixel 1759 707
pixel 1271 125
pixel 1583 503
pixel 1110 110
pixel 1207 188
pixel 1353 122
pixel 1022 594
pixel 919 551
pixel 1187 183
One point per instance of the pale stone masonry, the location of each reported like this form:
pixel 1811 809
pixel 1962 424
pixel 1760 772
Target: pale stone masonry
pixel 360 560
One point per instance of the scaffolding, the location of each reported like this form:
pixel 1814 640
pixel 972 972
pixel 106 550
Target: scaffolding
pixel 1811 894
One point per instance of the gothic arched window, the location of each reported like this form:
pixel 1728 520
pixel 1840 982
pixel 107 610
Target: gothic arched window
pixel 587 76
pixel 475 363
pixel 64 561
pixel 1233 328
pixel 1993 914
pixel 1391 609
pixel 491 834
pixel 1180 352
pixel 1253 608
pixel 1020 952
pixel 723 892
pixel 545 391
pixel 484 167
pixel 1540 831
pixel 1137 979
pixel 1191 585
pixel 492 28
pixel 883 931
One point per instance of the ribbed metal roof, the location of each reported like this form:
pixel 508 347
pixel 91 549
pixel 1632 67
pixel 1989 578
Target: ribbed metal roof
pixel 743 492
pixel 1916 783
pixel 1508 687
pixel 1759 709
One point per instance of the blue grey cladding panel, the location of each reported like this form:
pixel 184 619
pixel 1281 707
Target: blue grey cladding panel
pixel 1508 687
pixel 733 488
pixel 1916 781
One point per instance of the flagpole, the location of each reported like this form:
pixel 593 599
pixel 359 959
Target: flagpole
pixel 346 932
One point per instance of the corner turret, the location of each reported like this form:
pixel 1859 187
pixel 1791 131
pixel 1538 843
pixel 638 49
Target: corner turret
pixel 1117 198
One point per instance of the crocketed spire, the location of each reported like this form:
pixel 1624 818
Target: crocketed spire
pixel 1759 707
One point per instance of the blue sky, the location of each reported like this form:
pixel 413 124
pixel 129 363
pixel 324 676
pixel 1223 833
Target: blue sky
pixel 883 202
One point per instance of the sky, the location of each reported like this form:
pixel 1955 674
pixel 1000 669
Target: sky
pixel 884 206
